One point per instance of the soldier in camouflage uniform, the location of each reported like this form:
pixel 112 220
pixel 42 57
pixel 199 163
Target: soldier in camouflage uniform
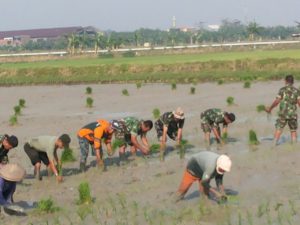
pixel 211 120
pixel 288 97
pixel 126 132
pixel 6 144
pixel 171 124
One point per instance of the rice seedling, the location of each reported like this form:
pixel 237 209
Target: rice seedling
pixel 156 113
pixel 83 212
pixel 22 103
pixel 125 92
pixel 249 218
pixel 253 138
pixel 47 206
pixel 88 90
pixel 292 207
pixel 182 148
pixel 17 110
pixel 230 100
pixel 89 102
pixel 225 137
pixel 117 143
pixel 220 82
pixel 192 90
pixel 84 194
pixel 260 108
pixel 138 85
pixel 247 84
pixel 67 155
pixel 154 148
pixel 173 86
pixel 13 120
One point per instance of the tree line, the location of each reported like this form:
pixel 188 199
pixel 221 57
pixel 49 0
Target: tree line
pixel 229 31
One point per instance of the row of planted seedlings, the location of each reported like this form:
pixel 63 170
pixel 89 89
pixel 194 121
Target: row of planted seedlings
pixel 13 120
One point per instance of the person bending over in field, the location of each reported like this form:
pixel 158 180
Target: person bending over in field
pixel 171 124
pixel 92 135
pixel 211 120
pixel 127 133
pixel 6 144
pixel 288 97
pixel 44 149
pixel 203 167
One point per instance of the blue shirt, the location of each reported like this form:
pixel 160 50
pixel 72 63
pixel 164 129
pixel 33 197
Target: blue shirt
pixel 7 189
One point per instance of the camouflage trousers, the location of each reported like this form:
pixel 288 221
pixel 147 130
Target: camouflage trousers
pixel 281 123
pixel 172 130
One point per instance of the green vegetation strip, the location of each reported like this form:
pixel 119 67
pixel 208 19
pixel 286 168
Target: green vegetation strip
pixel 229 66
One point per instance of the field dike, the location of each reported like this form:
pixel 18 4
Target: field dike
pixel 234 70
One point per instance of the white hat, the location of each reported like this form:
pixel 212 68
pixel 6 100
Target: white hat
pixel 224 163
pixel 179 114
pixel 12 172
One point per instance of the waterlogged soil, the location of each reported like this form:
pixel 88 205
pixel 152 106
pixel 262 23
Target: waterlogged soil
pixel 263 186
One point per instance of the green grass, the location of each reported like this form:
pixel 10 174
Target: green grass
pixel 13 120
pixel 88 90
pixel 230 100
pixel 225 66
pixel 156 113
pixel 22 102
pixel 84 193
pixel 89 102
pixel 47 206
pixel 125 92
pixel 160 59
pixel 67 156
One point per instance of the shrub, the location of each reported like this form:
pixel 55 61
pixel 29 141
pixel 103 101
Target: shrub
pixel 230 100
pixel 154 148
pixel 138 85
pixel 128 54
pixel 173 86
pixel 67 155
pixel 106 55
pixel 88 90
pixel 84 193
pixel 89 102
pixel 220 82
pixel 260 108
pixel 125 92
pixel 13 120
pixel 192 90
pixel 156 113
pixel 253 138
pixel 247 84
pixel 17 110
pixel 22 102
pixel 47 206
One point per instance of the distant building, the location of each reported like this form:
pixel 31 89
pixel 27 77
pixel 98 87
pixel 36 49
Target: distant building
pixel 18 37
pixel 213 27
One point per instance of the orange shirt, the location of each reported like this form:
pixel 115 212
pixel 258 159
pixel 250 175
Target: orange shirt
pixel 96 131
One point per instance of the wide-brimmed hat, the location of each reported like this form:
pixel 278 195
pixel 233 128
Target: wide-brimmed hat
pixel 178 113
pixel 224 163
pixel 12 172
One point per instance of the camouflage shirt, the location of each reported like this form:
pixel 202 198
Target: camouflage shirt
pixel 289 96
pixel 133 125
pixel 213 117
pixel 168 119
pixel 3 152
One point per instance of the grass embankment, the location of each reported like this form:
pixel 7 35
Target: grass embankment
pixel 231 66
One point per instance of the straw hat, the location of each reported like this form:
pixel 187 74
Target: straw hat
pixel 12 172
pixel 179 114
pixel 224 163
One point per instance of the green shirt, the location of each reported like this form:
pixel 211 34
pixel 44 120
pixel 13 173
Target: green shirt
pixel 133 125
pixel 213 117
pixel 44 144
pixel 289 96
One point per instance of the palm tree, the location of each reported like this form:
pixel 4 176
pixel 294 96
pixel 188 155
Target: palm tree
pixel 73 43
pixel 253 29
pixel 100 42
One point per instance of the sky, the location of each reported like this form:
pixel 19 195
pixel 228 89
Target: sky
pixel 129 15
